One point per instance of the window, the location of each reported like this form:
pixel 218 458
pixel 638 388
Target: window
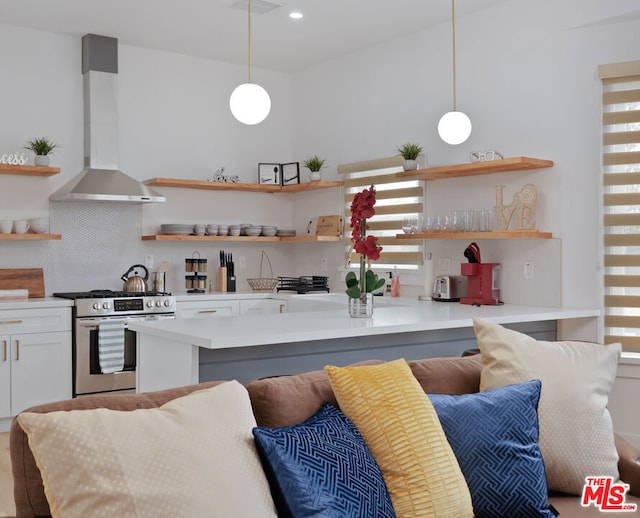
pixel 396 199
pixel 621 162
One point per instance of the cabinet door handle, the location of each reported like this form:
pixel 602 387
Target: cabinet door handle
pixel 4 350
pixel 17 350
pixel 281 308
pixel 7 322
pixel 208 311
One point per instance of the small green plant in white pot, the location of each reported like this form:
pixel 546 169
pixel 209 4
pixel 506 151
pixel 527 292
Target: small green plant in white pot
pixel 410 152
pixel 42 147
pixel 315 164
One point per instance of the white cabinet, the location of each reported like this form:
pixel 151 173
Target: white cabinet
pixel 207 308
pixel 254 306
pixel 35 358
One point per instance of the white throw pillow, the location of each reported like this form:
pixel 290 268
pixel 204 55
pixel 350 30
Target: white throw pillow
pixel 576 433
pixel 194 456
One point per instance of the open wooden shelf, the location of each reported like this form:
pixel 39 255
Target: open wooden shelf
pixel 520 163
pixel 494 234
pixel 30 237
pixel 247 187
pixel 28 170
pixel 237 239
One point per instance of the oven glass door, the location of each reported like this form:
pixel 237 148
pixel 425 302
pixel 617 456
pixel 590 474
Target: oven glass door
pixel 129 351
pixel 89 378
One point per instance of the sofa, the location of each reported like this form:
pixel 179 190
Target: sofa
pixel 285 401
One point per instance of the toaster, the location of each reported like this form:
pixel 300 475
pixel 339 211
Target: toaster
pixel 449 288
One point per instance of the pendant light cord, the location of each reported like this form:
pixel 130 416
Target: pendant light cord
pixel 453 31
pixel 249 45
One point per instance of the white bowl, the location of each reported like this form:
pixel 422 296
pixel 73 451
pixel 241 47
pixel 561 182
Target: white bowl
pixel 39 225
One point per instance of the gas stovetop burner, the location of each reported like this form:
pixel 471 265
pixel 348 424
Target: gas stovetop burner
pixel 108 294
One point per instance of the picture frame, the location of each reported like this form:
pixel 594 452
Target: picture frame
pixel 269 174
pixel 290 173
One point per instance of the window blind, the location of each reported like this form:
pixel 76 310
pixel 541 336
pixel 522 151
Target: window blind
pixel 396 199
pixel 621 200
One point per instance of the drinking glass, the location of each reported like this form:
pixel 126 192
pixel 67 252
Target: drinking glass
pixel 406 225
pixel 427 224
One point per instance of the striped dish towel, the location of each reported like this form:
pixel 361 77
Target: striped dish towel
pixel 111 346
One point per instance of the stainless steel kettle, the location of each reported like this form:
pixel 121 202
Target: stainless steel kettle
pixel 135 283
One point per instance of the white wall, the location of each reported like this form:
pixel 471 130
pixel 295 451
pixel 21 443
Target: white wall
pixel 174 121
pixel 527 77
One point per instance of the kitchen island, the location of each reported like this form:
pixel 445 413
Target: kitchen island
pixel 183 351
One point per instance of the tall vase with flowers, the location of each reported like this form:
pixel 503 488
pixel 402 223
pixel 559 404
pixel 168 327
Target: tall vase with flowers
pixel 360 290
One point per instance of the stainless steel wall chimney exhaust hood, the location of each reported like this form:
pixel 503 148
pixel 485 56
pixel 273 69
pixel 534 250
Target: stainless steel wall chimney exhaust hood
pixel 101 180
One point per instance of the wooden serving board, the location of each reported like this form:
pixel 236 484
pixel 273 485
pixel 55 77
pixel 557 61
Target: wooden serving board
pixel 31 279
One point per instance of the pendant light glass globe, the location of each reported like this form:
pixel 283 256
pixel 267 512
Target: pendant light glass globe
pixel 454 127
pixel 250 103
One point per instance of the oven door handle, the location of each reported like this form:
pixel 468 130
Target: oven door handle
pixel 93 323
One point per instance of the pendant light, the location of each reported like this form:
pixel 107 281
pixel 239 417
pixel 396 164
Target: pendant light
pixel 454 126
pixel 249 102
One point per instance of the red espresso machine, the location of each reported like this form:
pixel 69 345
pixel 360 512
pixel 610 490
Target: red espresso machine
pixel 482 279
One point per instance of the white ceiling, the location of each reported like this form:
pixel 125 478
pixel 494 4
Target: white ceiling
pixel 215 29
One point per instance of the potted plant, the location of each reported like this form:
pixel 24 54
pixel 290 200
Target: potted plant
pixel 42 147
pixel 315 165
pixel 360 291
pixel 410 152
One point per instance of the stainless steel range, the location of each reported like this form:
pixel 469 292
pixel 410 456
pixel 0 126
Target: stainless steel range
pixel 105 313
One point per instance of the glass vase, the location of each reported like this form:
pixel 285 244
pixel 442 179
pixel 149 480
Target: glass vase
pixel 361 307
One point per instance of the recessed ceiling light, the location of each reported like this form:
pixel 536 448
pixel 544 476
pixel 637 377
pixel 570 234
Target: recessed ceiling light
pixel 295 15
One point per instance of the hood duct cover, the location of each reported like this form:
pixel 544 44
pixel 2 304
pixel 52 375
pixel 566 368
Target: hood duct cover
pixel 101 180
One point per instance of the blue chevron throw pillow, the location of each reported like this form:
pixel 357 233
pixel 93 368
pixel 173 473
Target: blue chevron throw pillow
pixel 494 435
pixel 322 468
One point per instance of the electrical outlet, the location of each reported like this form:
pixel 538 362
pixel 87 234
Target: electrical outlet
pixel 444 266
pixel 242 262
pixel 323 264
pixel 148 262
pixel 527 270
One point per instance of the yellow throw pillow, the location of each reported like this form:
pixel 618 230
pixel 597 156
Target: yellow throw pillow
pixel 193 456
pixel 403 433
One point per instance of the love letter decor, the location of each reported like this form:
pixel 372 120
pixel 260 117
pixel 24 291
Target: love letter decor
pixel 523 206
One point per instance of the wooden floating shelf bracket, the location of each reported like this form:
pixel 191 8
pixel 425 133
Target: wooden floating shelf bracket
pixel 240 239
pixel 28 170
pixel 520 163
pixel 494 234
pixel 246 187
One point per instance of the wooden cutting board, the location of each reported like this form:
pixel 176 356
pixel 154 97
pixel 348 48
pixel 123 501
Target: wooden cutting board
pixel 31 279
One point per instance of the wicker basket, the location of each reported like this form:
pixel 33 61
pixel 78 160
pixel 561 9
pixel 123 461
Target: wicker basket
pixel 263 283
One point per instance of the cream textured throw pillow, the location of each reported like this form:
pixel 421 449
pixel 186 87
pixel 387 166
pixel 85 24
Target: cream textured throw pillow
pixel 576 433
pixel 192 457
pixel 405 437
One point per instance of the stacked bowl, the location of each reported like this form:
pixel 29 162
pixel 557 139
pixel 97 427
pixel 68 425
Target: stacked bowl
pixel 39 225
pixel 269 230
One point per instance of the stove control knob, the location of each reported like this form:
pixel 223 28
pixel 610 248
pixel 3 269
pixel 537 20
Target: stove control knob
pixel 150 303
pixel 96 306
pixel 167 303
pixel 158 303
pixel 106 305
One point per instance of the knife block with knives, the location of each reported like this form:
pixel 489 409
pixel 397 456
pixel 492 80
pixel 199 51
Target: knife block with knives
pixel 226 273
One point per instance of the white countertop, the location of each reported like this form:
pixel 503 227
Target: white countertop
pixel 34 303
pixel 236 295
pixel 390 316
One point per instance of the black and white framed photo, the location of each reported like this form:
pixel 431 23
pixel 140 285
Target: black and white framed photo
pixel 269 174
pixel 290 173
